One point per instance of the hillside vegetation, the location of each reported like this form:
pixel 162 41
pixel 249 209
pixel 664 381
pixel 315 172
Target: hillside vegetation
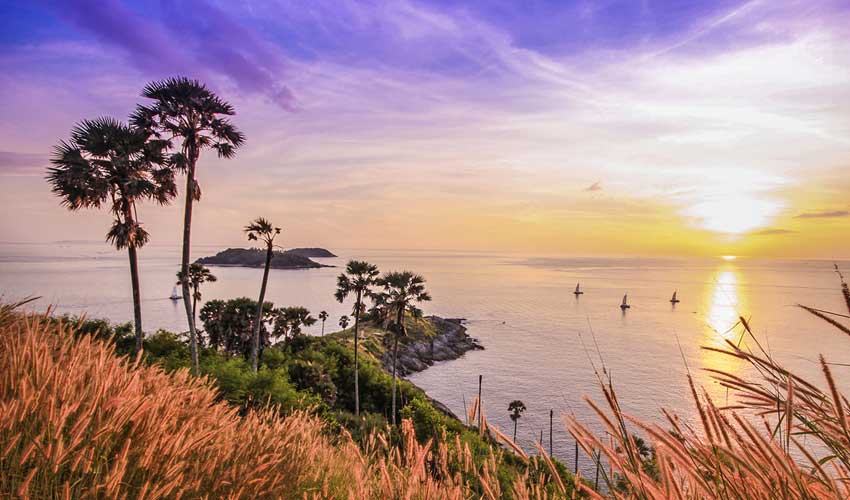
pixel 79 420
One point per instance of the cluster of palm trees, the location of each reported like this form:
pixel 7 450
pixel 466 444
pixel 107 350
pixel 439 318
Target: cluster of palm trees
pixel 397 292
pixel 110 162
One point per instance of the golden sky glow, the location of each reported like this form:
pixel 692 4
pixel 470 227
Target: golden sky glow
pixel 729 136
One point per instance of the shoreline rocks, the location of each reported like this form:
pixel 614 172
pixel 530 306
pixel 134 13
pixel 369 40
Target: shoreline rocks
pixel 450 342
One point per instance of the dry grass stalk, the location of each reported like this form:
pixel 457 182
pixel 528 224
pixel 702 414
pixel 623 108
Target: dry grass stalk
pixel 76 421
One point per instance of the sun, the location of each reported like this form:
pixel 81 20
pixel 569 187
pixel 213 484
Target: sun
pixel 735 214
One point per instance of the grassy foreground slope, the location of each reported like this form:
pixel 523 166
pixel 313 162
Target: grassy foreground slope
pixel 78 421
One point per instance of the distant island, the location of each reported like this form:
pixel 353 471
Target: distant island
pixel 320 253
pixel 297 258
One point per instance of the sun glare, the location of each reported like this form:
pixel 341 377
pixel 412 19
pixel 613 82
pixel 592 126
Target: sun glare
pixel 729 257
pixel 735 214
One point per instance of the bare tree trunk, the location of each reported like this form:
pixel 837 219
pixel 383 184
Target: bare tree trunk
pixel 356 357
pixel 137 300
pixel 258 320
pixel 184 262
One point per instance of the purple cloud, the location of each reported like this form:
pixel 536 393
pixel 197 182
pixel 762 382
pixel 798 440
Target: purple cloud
pixel 12 163
pixel 191 38
pixel 823 215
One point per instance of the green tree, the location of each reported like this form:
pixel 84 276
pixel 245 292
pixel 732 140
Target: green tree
pixel 358 279
pixel 516 409
pixel 343 322
pixel 185 109
pixel 402 290
pixel 229 324
pixel 198 275
pixel 290 321
pixel 323 315
pixel 261 230
pixel 110 163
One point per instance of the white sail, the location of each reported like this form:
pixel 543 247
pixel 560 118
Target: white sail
pixel 174 294
pixel 577 288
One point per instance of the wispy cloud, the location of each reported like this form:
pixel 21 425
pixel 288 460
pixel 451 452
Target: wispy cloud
pixel 407 109
pixel 192 37
pixel 772 232
pixel 823 215
pixel 22 163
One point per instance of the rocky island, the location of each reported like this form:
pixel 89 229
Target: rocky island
pixel 297 258
pixel 318 253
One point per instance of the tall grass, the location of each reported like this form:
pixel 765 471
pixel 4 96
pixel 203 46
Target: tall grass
pixel 77 421
pixel 785 438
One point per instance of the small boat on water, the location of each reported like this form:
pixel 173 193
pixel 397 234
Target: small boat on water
pixel 578 290
pixel 674 300
pixel 625 305
pixel 174 294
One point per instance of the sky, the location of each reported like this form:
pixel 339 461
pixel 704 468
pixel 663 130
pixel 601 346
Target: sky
pixel 674 128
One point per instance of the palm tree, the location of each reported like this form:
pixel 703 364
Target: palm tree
pixel 517 408
pixel 358 279
pixel 343 322
pixel 198 274
pixel 187 110
pixel 289 322
pixel 323 315
pixel 402 289
pixel 261 229
pixel 109 162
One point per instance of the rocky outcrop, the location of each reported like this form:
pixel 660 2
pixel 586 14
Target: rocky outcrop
pixel 449 342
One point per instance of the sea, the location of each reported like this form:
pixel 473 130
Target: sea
pixel 543 344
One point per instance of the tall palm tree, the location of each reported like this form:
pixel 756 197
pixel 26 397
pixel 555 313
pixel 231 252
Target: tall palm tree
pixel 185 109
pixel 516 409
pixel 343 322
pixel 358 279
pixel 402 290
pixel 110 163
pixel 261 230
pixel 323 315
pixel 198 275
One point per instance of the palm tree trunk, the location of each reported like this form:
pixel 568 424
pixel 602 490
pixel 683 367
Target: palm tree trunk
pixel 258 320
pixel 184 262
pixel 397 333
pixel 515 431
pixel 356 360
pixel 195 362
pixel 137 300
pixel 323 328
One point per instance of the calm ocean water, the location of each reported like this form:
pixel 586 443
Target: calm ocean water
pixel 539 338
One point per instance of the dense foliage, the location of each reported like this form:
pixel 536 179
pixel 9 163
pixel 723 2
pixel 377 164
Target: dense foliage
pixel 313 374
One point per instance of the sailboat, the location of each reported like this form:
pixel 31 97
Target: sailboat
pixel 625 305
pixel 674 300
pixel 174 294
pixel 578 290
